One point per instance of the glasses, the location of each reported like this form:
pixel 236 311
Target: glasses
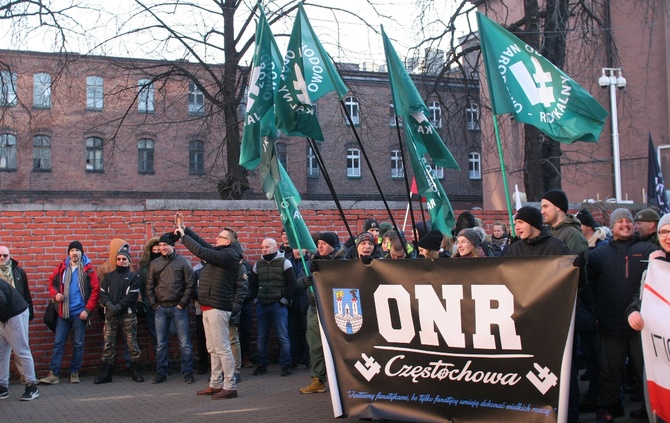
pixel 662 233
pixel 222 237
pixel 121 259
pixel 4 255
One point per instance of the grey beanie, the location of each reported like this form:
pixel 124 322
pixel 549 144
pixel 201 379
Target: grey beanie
pixel 620 214
pixel 665 220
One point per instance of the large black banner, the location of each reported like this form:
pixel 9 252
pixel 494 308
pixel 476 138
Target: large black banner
pixel 471 340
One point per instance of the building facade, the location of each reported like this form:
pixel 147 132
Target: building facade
pixel 112 130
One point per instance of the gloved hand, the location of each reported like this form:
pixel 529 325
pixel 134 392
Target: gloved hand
pixel 313 266
pixel 579 261
pixel 307 281
pixel 366 259
pixel 111 309
pixel 284 302
pixel 120 309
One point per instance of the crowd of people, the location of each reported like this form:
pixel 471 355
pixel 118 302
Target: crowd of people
pixel 225 288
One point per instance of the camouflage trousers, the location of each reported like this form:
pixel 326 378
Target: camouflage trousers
pixel 128 325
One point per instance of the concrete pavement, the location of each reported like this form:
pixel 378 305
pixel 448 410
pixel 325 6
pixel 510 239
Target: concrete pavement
pixel 264 398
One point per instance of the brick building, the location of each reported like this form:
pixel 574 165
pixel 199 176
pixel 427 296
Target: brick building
pixel 118 131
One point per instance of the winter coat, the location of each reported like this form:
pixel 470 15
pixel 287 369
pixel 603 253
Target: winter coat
pixel 171 281
pixel 21 285
pixel 119 290
pixel 570 232
pixel 542 245
pixel 273 280
pixel 11 302
pixel 89 286
pixel 339 253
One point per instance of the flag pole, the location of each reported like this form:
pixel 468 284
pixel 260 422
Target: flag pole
pixel 403 241
pixel 329 183
pixel 504 175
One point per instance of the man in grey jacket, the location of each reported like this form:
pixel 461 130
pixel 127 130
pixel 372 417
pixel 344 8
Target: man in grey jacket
pixel 170 287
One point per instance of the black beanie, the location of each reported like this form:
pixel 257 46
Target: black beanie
pixel 530 215
pixel 124 251
pixel 77 245
pixel 586 219
pixel 557 198
pixel 168 238
pixel 370 224
pixel 432 240
pixel 329 238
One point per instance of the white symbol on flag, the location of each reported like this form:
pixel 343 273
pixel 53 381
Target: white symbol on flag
pixel 369 369
pixel 535 87
pixel 544 379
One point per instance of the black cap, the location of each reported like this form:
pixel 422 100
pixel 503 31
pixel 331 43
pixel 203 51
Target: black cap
pixel 77 245
pixel 530 215
pixel 168 238
pixel 557 198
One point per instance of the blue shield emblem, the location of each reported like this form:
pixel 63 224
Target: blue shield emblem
pixel 348 312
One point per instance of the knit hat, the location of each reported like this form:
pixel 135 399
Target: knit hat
pixel 168 238
pixel 422 228
pixel 365 236
pixel 530 215
pixel 647 215
pixel 77 245
pixel 432 240
pixel 557 198
pixel 472 236
pixel 620 214
pixel 383 228
pixel 370 224
pixel 124 251
pixel 665 220
pixel 329 238
pixel 586 218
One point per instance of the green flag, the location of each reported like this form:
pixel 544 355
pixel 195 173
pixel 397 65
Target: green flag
pixel 409 104
pixel 308 74
pixel 522 82
pixel 259 118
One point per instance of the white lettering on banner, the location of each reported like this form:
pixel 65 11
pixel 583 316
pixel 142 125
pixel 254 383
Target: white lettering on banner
pixel 447 371
pixel 447 318
pixel 314 60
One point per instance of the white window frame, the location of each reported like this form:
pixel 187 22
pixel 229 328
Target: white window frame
pixel 7 88
pixel 474 166
pixel 472 117
pixel 438 172
pixel 312 164
pixel 435 114
pixel 397 168
pixel 196 100
pixel 145 156
pixel 41 153
pixel 392 117
pixel 354 109
pixel 353 163
pixel 95 92
pixel 7 151
pixel 42 90
pixel 145 96
pixel 94 154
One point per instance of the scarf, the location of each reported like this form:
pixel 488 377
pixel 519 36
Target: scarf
pixel 67 278
pixel 7 274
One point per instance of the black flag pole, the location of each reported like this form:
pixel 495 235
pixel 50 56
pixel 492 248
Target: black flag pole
pixel 407 188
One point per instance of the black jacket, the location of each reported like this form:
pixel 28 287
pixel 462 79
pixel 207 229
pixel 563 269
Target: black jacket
pixel 615 272
pixel 11 302
pixel 219 278
pixel 542 245
pixel 119 291
pixel 21 285
pixel 171 281
pixel 339 253
pixel 637 301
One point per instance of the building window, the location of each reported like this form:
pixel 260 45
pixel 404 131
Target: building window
pixel 312 164
pixel 352 106
pixel 397 170
pixel 472 117
pixel 353 163
pixel 435 114
pixel 94 154
pixel 392 117
pixel 94 92
pixel 438 172
pixel 7 152
pixel 42 91
pixel 145 96
pixel 282 154
pixel 474 166
pixel 196 100
pixel 7 88
pixel 145 156
pixel 41 153
pixel 196 158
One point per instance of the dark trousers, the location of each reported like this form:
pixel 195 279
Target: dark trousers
pixel 612 352
pixel 245 329
pixel 297 329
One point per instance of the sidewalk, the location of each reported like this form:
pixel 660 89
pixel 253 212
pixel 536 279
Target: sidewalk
pixel 264 398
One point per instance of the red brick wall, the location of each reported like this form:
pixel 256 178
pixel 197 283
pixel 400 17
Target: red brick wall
pixel 38 236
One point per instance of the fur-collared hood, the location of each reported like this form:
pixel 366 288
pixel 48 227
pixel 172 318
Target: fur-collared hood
pixel 146 254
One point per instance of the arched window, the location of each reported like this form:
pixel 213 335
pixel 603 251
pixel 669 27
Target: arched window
pixel 94 154
pixel 7 152
pixel 41 153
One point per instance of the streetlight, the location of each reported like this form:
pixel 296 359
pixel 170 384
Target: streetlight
pixel 613 79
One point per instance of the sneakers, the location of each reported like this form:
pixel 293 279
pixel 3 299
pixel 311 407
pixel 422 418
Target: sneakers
pixel 4 394
pixel 188 378
pixel 260 370
pixel 160 378
pixel 316 387
pixel 30 393
pixel 285 371
pixel 224 394
pixel 74 377
pixel 50 379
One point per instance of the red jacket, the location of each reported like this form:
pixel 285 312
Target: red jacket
pixel 90 288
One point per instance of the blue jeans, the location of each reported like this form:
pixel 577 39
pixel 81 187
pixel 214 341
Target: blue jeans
pixel 63 327
pixel 277 315
pixel 163 317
